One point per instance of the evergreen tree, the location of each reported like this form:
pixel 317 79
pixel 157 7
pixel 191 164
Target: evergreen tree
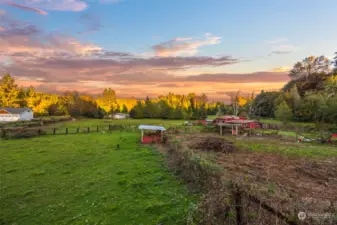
pixel 124 109
pixel 9 93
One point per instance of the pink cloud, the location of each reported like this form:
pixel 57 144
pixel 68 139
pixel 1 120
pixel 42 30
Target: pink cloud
pixel 41 5
pixel 27 8
pixel 183 46
pixel 55 63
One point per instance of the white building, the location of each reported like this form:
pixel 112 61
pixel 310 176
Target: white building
pixel 119 116
pixel 15 114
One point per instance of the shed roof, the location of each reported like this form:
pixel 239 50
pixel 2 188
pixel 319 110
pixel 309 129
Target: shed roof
pixel 121 114
pixel 149 127
pixel 15 110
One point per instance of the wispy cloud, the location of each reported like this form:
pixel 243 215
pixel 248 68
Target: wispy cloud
pixel 91 23
pixel 27 8
pixel 283 49
pixel 23 39
pixel 57 62
pixel 281 69
pixel 40 6
pixel 109 1
pixel 184 46
pixel 277 41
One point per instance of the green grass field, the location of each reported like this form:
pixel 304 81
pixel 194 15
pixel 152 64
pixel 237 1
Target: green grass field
pixel 286 148
pixel 84 179
pixel 106 122
pixel 212 117
pixel 297 124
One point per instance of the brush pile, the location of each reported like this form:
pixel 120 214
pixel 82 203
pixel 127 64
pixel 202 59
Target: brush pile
pixel 215 144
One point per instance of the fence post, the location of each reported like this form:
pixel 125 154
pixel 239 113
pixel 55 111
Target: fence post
pixel 238 207
pixel 2 133
pixel 109 127
pixel 54 131
pixel 88 129
pixel 39 131
pixel 97 129
pixel 67 130
pixel 77 130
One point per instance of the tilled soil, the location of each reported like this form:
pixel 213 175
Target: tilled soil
pixel 290 184
pixel 215 144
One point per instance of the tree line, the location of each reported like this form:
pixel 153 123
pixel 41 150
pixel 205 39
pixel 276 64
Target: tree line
pixel 310 95
pixel 171 106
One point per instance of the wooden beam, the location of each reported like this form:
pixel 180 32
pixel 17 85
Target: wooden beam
pixel 141 140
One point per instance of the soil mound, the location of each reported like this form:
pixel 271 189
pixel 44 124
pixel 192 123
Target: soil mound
pixel 214 144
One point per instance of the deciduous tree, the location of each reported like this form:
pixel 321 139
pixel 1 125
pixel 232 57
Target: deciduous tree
pixel 283 112
pixel 310 65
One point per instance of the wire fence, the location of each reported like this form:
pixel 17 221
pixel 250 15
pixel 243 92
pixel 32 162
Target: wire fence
pixel 27 132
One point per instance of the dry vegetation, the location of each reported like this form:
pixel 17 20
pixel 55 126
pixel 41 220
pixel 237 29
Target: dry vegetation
pixel 271 188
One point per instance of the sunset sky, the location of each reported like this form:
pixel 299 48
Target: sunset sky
pixel 151 47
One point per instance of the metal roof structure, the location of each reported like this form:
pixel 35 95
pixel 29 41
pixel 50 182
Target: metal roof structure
pixel 149 127
pixel 241 121
pixel 15 110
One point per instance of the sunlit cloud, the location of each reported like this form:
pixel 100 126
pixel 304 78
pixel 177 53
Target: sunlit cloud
pixel 42 6
pixel 281 69
pixel 26 39
pixel 184 46
pixel 54 62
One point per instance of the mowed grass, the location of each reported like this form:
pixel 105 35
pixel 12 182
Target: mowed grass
pixel 286 148
pixel 84 179
pixel 292 123
pixel 105 122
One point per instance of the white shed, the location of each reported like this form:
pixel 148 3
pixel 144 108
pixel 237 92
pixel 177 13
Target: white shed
pixel 15 114
pixel 119 116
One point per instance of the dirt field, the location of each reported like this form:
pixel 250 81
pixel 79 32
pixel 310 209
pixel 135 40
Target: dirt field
pixel 290 184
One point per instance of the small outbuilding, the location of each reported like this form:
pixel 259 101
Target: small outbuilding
pixel 120 116
pixel 15 114
pixel 151 134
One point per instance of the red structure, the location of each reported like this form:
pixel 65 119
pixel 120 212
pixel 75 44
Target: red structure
pixel 152 138
pixel 201 122
pixel 225 119
pixel 151 134
pixel 242 121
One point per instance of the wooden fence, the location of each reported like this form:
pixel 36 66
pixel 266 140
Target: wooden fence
pixel 26 132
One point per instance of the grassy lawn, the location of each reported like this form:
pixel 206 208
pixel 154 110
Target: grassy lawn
pixel 298 124
pixel 101 122
pixel 84 179
pixel 286 148
pixel 280 132
pixel 212 117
